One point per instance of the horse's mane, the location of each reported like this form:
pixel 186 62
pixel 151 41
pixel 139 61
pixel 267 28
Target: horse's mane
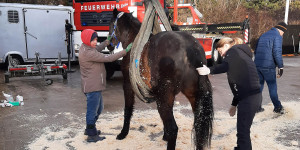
pixel 132 21
pixel 136 24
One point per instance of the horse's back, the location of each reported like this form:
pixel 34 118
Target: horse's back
pixel 179 46
pixel 173 55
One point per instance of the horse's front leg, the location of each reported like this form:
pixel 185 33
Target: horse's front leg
pixel 129 104
pixel 165 102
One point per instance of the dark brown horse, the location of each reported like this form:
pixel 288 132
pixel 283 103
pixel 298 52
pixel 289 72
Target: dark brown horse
pixel 168 66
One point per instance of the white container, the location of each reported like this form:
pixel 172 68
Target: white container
pixel 20 100
pixel 8 97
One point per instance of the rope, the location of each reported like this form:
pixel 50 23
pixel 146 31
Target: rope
pixel 141 90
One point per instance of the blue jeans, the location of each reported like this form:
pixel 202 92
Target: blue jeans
pixel 94 107
pixel 269 75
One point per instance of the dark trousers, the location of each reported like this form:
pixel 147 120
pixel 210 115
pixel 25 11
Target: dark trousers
pixel 269 75
pixel 247 108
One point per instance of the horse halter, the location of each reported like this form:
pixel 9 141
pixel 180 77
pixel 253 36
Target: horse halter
pixel 115 26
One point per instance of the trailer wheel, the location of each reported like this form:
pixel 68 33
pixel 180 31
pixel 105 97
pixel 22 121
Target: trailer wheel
pixel 16 60
pixel 49 81
pixel 6 78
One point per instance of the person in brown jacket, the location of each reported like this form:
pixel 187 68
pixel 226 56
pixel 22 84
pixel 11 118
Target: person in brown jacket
pixel 93 78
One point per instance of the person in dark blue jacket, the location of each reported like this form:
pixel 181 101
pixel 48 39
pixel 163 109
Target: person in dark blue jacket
pixel 244 84
pixel 268 56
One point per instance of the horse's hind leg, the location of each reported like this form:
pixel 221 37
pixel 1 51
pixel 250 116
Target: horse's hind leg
pixel 165 104
pixel 129 104
pixel 200 96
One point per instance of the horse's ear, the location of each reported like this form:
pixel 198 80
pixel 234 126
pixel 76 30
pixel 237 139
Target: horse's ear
pixel 115 13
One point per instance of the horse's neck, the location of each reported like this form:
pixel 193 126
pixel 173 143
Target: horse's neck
pixel 131 28
pixel 129 36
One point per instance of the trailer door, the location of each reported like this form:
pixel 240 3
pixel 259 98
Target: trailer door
pixel 12 38
pixel 45 32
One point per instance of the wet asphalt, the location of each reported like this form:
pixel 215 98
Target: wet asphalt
pixel 43 103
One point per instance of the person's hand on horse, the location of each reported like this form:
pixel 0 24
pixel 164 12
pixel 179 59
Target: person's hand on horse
pixel 203 70
pixel 108 38
pixel 280 72
pixel 107 41
pixel 128 47
pixel 232 110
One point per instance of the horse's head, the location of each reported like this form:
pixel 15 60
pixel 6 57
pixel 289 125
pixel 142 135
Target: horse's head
pixel 123 28
pixel 112 31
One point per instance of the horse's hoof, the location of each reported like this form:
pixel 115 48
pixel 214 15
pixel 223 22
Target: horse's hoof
pixel 121 136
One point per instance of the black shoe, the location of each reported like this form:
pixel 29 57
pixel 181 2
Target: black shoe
pixel 98 132
pixel 279 110
pixel 91 132
pixel 260 110
pixel 95 138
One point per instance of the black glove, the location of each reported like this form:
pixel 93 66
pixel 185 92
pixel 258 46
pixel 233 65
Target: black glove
pixel 280 72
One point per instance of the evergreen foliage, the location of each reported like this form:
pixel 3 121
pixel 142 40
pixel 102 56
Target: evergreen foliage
pixel 271 5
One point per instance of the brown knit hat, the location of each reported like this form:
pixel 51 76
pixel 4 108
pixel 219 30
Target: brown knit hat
pixel 281 26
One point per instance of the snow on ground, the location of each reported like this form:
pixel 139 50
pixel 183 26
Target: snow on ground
pixel 269 131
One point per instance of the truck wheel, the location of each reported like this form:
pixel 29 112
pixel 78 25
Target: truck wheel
pixel 110 69
pixel 216 57
pixel 109 73
pixel 6 78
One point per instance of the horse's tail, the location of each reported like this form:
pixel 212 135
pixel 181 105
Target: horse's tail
pixel 203 114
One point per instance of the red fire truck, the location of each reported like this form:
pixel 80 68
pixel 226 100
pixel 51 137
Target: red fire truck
pixel 96 15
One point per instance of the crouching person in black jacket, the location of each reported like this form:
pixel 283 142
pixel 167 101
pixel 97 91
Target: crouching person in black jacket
pixel 244 83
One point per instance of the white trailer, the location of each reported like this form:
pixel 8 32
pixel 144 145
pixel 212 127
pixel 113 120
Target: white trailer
pixel 26 29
